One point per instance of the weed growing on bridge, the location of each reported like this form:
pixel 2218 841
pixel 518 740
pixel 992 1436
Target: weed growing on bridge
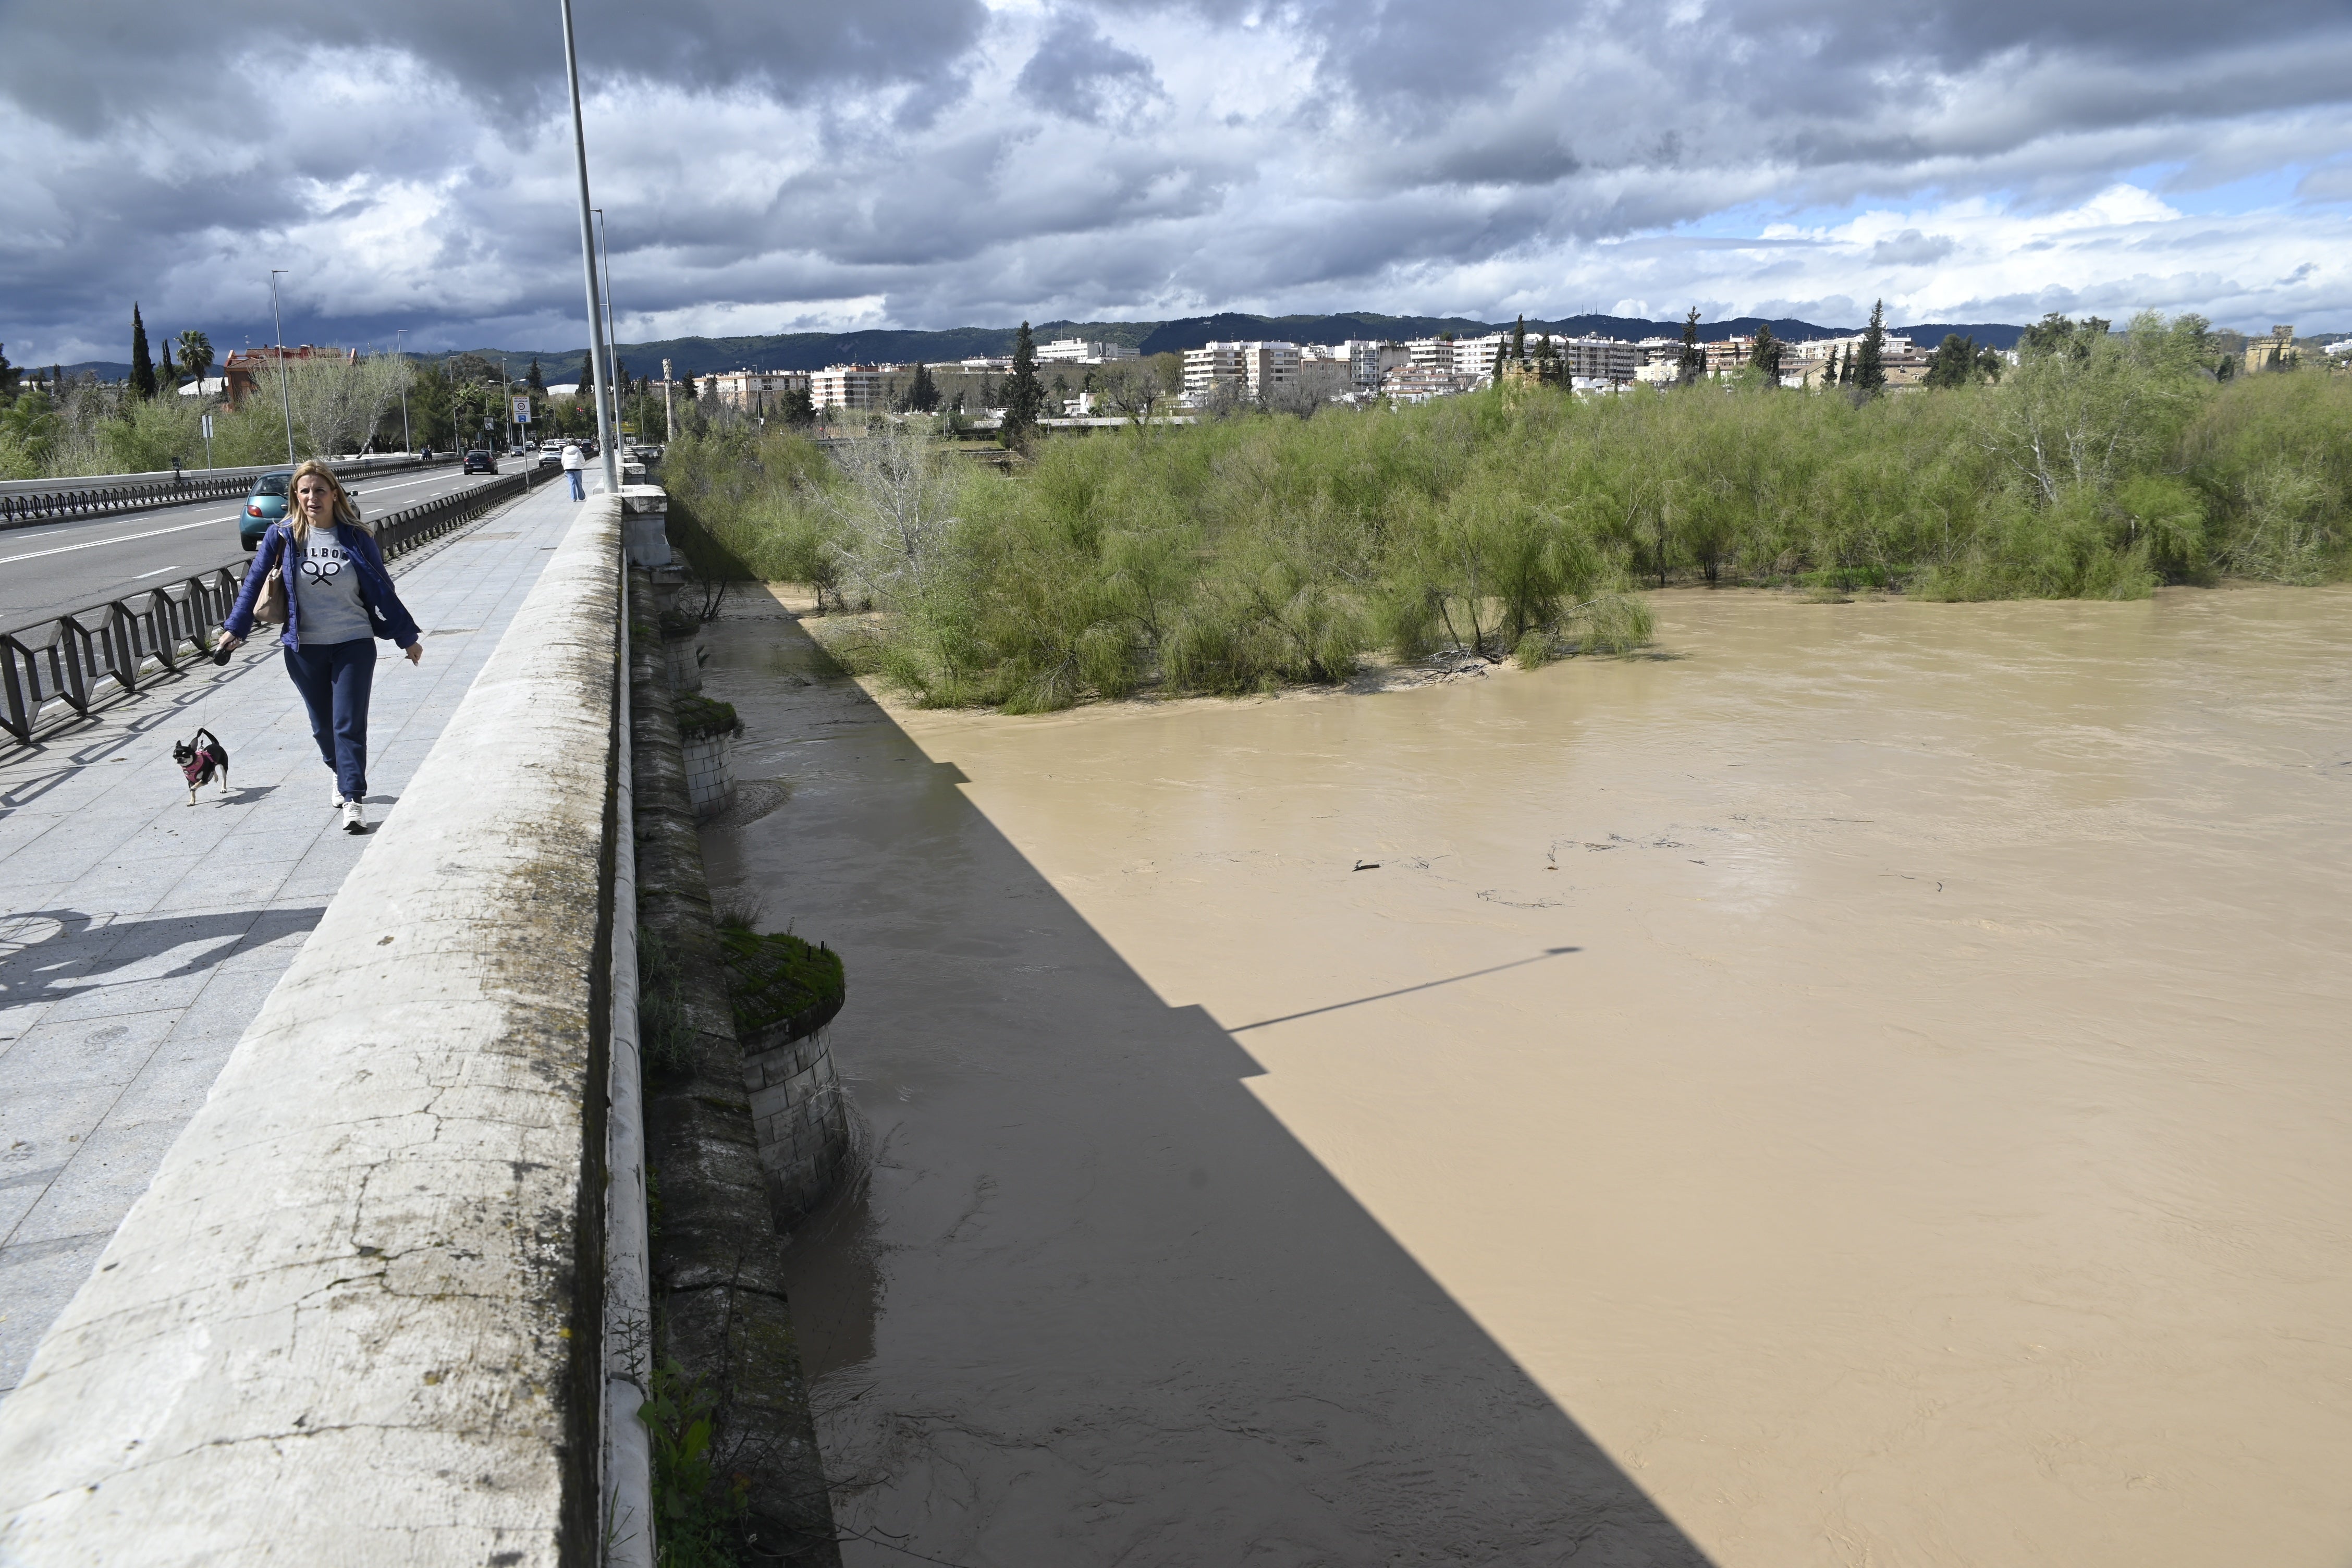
pixel 698 1512
pixel 665 1032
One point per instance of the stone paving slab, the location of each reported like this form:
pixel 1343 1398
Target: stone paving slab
pixel 139 936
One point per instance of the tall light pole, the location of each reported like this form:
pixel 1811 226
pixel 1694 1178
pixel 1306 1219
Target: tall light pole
pixel 597 365
pixel 405 444
pixel 612 328
pixel 669 420
pixel 285 395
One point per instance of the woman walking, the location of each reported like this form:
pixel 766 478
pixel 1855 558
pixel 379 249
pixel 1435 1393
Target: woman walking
pixel 338 600
pixel 573 461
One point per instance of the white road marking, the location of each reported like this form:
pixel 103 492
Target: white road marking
pixel 175 528
pixel 122 539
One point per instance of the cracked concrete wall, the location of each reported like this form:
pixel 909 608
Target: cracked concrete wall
pixel 356 1317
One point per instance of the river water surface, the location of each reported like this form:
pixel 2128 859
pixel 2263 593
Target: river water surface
pixel 1868 1086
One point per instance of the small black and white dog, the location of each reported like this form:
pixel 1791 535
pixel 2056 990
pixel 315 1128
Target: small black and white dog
pixel 199 760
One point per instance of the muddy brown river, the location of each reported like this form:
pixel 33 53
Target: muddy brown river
pixel 1868 1086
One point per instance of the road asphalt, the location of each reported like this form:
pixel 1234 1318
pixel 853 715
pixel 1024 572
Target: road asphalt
pixel 56 568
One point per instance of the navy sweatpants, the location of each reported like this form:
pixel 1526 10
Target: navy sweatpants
pixel 335 681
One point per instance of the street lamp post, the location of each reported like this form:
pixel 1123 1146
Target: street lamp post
pixel 597 363
pixel 612 327
pixel 405 444
pixel 669 422
pixel 285 395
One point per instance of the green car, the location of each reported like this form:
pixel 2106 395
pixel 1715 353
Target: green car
pixel 264 505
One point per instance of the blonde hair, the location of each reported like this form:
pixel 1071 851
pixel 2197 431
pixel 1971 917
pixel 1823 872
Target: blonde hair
pixel 297 521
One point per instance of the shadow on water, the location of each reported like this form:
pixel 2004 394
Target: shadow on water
pixel 1086 1299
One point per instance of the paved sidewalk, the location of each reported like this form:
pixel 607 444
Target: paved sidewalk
pixel 139 937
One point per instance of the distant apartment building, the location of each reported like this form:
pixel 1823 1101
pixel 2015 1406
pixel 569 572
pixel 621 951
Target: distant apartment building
pixel 1325 371
pixel 1369 361
pixel 1597 359
pixel 859 388
pixel 986 365
pixel 1461 356
pixel 1081 350
pixel 1813 349
pixel 1727 354
pixel 755 391
pixel 1251 369
pixel 1420 383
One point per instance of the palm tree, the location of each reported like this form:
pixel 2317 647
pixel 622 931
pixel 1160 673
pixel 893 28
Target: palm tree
pixel 195 354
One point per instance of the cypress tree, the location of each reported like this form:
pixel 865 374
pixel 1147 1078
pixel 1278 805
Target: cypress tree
pixel 143 362
pixel 1693 364
pixel 1023 397
pixel 1955 362
pixel 1830 371
pixel 1519 341
pixel 536 380
pixel 1768 355
pixel 1870 375
pixel 923 397
pixel 9 377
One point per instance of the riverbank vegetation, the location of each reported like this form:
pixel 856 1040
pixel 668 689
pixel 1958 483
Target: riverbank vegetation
pixel 1251 552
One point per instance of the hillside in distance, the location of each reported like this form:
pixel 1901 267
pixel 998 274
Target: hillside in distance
pixel 815 350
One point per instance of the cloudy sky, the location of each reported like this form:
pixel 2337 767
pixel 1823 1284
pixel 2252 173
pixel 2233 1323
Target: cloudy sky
pixel 773 165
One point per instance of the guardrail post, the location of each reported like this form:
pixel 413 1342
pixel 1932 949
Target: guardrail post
pixel 75 642
pixel 15 717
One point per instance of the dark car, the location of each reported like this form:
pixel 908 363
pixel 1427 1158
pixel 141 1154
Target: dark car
pixel 480 462
pixel 265 505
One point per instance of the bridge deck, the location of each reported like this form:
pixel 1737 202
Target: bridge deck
pixel 141 936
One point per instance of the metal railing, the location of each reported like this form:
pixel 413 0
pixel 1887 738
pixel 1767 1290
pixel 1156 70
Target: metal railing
pixel 57 670
pixel 22 504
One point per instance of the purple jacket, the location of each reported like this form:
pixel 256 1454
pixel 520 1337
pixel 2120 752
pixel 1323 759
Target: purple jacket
pixel 386 614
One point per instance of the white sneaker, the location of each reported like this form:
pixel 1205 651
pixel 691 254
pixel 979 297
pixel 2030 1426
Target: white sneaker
pixel 334 797
pixel 355 817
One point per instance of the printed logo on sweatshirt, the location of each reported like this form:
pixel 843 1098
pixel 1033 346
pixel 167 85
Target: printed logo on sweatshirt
pixel 322 562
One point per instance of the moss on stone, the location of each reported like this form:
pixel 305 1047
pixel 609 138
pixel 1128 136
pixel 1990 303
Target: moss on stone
pixel 782 987
pixel 699 717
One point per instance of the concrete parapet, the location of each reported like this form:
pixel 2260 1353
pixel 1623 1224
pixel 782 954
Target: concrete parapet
pixel 357 1317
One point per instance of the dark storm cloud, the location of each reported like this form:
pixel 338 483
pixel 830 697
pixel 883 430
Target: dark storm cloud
pixel 87 63
pixel 1078 72
pixel 933 160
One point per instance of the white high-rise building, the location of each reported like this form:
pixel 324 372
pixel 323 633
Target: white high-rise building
pixel 857 387
pixel 1082 351
pixel 1253 369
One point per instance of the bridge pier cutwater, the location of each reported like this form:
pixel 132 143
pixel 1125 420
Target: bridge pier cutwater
pixel 361 1313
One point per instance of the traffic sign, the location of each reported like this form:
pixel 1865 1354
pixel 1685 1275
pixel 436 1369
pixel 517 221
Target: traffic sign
pixel 522 410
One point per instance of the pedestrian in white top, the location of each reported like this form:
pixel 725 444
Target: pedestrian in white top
pixel 572 463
